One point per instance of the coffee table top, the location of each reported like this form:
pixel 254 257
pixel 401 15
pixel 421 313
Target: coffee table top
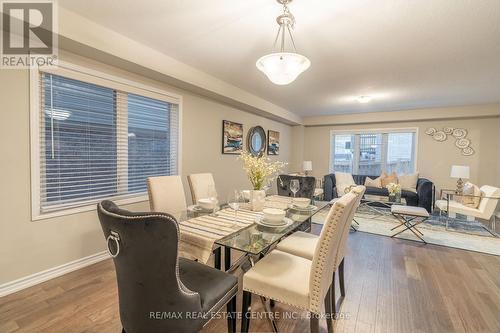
pixel 370 198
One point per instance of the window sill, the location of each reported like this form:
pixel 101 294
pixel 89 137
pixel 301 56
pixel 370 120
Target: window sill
pixel 87 208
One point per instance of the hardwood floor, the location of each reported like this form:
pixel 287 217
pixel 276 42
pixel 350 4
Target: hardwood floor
pixel 391 286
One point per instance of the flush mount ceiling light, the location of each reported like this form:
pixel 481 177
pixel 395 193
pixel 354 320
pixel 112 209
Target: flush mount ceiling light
pixel 283 67
pixel 364 99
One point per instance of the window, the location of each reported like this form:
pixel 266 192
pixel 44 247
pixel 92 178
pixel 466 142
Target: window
pixel 372 152
pixel 97 141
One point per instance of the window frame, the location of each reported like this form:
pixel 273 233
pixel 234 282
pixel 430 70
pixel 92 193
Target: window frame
pixel 85 74
pixel 357 132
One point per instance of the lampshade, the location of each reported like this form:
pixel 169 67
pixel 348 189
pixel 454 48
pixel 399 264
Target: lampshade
pixel 460 171
pixel 307 166
pixel 284 67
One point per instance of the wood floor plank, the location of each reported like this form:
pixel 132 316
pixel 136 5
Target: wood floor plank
pixel 392 285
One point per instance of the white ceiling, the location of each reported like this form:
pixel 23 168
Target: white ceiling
pixel 407 54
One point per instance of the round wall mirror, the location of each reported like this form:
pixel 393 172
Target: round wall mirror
pixel 256 141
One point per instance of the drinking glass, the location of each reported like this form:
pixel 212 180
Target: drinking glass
pixel 212 195
pixel 294 186
pixel 234 201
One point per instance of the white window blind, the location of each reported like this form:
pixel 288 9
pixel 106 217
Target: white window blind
pixel 99 142
pixel 372 152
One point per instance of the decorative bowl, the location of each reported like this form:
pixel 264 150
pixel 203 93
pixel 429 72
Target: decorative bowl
pixel 301 202
pixel 206 203
pixel 273 215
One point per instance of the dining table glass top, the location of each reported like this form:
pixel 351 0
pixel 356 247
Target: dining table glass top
pixel 257 238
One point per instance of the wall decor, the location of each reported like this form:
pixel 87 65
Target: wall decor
pixel 256 140
pixel 232 137
pixel 459 134
pixel 430 131
pixel 273 142
pixel 439 136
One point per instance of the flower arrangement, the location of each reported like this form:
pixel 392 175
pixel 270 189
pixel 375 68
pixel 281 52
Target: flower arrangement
pixel 393 188
pixel 260 170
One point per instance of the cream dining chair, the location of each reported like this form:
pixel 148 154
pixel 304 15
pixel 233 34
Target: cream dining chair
pixel 199 183
pixel 166 194
pixel 304 244
pixel 300 282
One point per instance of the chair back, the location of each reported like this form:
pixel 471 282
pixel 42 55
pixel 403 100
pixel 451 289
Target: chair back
pixel 359 191
pixel 306 190
pixel 323 262
pixel 487 205
pixel 146 264
pixel 166 194
pixel 199 183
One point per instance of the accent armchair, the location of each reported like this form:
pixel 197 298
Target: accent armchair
pixel 485 211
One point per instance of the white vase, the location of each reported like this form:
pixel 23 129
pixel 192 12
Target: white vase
pixel 258 200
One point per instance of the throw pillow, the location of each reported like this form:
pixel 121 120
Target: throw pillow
pixel 373 182
pixel 392 178
pixel 409 182
pixel 471 189
pixel 342 181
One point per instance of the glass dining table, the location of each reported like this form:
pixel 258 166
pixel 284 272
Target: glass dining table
pixel 255 240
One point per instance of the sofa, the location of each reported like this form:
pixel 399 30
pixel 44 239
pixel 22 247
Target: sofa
pixel 423 198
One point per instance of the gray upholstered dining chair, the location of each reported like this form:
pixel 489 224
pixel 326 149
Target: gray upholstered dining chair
pixel 166 194
pixel 199 183
pixel 154 283
pixel 297 281
pixel 306 190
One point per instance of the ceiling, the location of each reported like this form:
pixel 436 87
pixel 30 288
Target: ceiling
pixel 405 54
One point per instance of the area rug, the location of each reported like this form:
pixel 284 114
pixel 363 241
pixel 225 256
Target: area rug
pixel 460 233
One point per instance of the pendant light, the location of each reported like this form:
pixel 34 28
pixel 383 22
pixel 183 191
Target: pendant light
pixel 283 67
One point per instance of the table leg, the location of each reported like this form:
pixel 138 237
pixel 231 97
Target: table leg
pixel 227 258
pixel 217 258
pixel 266 306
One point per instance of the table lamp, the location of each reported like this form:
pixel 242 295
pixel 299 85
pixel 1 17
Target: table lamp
pixel 460 172
pixel 307 166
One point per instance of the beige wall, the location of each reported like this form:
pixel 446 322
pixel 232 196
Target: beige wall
pixel 28 247
pixel 434 159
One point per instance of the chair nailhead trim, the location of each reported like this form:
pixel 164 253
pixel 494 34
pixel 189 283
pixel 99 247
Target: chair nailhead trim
pixel 320 263
pixel 276 299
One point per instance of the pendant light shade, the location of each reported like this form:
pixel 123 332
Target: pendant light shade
pixel 283 67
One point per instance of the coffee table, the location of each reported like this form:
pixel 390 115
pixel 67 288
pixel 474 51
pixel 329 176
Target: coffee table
pixel 379 204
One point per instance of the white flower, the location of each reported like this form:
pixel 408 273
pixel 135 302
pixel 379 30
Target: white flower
pixel 393 188
pixel 261 170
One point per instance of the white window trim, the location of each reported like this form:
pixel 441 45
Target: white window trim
pixel 88 75
pixel 375 130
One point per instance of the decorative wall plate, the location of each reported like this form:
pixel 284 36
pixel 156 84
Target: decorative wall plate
pixel 448 130
pixel 459 133
pixel 439 136
pixel 468 151
pixel 430 131
pixel 462 143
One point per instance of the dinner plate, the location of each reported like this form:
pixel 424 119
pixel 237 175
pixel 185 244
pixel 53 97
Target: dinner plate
pixel 261 221
pixel 308 208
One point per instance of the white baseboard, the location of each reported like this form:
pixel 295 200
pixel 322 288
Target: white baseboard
pixel 31 280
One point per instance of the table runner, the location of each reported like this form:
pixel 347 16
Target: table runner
pixel 199 234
